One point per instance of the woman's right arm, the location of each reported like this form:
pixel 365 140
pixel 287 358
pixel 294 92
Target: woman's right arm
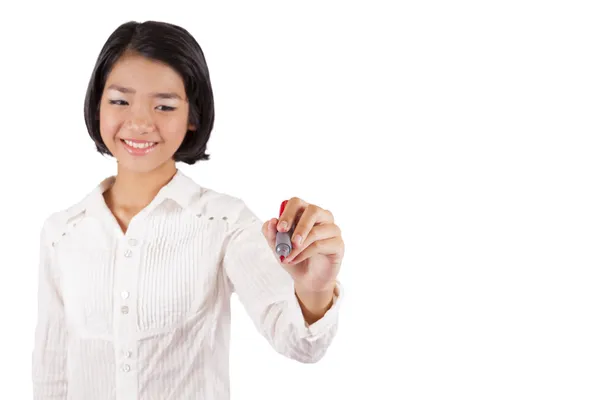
pixel 50 347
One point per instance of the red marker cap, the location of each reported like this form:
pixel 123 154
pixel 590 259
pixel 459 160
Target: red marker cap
pixel 282 207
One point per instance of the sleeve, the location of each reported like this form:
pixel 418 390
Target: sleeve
pixel 266 291
pixel 50 343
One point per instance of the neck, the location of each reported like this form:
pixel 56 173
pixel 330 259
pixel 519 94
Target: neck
pixel 135 190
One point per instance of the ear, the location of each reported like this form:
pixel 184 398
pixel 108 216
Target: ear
pixel 191 127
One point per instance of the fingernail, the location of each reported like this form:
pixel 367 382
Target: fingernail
pixel 283 225
pixel 298 239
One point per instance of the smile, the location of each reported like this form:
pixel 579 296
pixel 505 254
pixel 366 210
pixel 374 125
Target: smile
pixel 138 148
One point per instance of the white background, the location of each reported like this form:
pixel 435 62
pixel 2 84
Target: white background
pixel 456 143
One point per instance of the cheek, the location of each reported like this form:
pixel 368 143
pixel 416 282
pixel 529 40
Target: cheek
pixel 109 126
pixel 173 130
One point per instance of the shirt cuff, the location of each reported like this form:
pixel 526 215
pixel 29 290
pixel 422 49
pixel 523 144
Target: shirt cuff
pixel 322 326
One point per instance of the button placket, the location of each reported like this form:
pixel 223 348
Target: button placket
pixel 125 316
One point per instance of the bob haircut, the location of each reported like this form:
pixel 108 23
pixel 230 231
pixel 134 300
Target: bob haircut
pixel 175 47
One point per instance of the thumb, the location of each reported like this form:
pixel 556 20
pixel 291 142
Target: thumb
pixel 269 230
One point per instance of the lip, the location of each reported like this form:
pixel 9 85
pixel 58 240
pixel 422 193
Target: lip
pixel 135 151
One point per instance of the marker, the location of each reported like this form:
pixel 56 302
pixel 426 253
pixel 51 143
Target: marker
pixel 283 240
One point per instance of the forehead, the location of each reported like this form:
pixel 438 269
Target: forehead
pixel 146 75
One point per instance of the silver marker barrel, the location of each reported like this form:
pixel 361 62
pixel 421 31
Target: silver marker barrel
pixel 283 243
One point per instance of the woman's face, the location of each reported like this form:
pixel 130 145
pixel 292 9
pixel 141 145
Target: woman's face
pixel 144 113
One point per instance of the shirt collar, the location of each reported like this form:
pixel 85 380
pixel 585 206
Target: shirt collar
pixel 180 189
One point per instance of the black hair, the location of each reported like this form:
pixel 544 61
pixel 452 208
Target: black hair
pixel 175 47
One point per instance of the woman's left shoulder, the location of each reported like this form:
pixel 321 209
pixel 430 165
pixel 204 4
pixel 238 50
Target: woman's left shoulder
pixel 217 205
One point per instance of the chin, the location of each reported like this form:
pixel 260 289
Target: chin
pixel 141 166
pixel 136 168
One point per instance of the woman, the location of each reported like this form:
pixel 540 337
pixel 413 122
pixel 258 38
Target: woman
pixel 136 278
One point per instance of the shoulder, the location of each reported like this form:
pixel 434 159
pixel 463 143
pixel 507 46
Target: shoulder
pixel 219 205
pixel 57 225
pixel 59 222
pixel 216 205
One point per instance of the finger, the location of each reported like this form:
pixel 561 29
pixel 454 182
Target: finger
pixel 331 246
pixel 318 232
pixel 312 215
pixel 292 209
pixel 269 230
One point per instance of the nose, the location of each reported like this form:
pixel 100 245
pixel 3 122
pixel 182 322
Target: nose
pixel 139 122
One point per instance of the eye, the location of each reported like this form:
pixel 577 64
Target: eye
pixel 165 108
pixel 118 102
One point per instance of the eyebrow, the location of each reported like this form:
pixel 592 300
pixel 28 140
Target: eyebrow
pixel 170 95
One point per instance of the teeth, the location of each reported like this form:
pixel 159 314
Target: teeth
pixel 139 145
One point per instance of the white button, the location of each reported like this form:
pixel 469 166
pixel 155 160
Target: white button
pixel 125 294
pixel 126 354
pixel 126 368
pixel 128 253
pixel 132 242
pixel 125 309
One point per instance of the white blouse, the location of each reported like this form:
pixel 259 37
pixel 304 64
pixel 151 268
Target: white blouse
pixel 146 315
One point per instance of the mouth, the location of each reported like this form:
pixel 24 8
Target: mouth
pixel 138 147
